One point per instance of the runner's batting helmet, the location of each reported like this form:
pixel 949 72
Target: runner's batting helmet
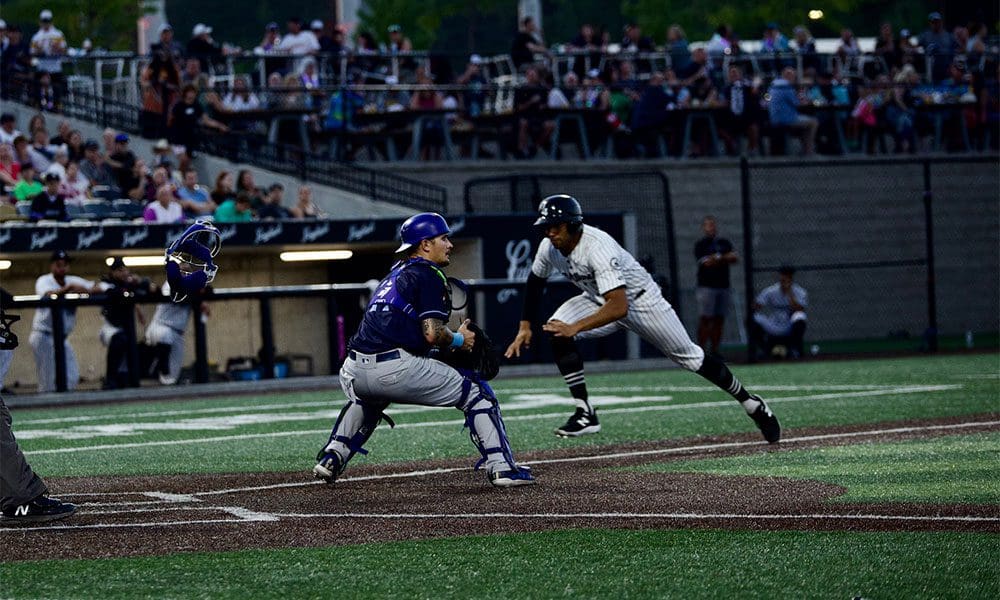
pixel 423 226
pixel 560 208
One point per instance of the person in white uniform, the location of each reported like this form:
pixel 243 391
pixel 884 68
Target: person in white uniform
pixel 58 282
pixel 617 293
pixel 166 333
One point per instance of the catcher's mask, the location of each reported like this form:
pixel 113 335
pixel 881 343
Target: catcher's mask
pixel 189 260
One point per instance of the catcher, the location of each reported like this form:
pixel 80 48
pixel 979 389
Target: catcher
pixel 392 359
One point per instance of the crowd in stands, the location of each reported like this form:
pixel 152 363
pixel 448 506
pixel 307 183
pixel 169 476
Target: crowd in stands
pixel 637 94
pixel 65 177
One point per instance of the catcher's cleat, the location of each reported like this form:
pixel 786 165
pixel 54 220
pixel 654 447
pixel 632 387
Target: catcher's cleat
pixel 515 477
pixel 39 510
pixel 329 467
pixel 766 422
pixel 581 423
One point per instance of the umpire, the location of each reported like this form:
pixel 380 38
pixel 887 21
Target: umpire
pixel 389 359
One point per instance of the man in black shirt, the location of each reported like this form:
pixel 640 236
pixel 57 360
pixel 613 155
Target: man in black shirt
pixel 271 207
pixel 122 161
pixel 714 255
pixel 526 43
pixel 118 331
pixel 49 204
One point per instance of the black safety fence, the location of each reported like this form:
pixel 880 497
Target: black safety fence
pixel 903 257
pixel 644 194
pixel 235 334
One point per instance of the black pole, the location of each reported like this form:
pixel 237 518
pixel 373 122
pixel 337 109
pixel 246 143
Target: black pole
pixel 132 350
pixel 332 325
pixel 267 340
pixel 932 324
pixel 59 342
pixel 668 214
pixel 200 345
pixel 747 255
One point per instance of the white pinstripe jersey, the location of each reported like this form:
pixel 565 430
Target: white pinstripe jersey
pixel 597 265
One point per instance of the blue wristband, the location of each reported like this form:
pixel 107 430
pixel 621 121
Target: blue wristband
pixel 457 339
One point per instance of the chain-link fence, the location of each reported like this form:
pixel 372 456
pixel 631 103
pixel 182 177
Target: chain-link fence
pixel 904 252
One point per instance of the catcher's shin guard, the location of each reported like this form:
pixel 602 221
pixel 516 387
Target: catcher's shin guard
pixel 355 424
pixel 487 432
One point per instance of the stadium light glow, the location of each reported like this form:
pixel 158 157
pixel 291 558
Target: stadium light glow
pixel 815 15
pixel 5 264
pixel 139 261
pixel 308 255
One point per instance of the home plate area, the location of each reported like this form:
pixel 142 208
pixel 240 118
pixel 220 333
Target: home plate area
pixel 581 487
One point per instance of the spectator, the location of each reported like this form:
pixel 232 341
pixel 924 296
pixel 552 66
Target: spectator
pixel 235 210
pixel 526 44
pixel 120 286
pixel 245 185
pixel 783 110
pixel 939 46
pixel 224 188
pixel 203 47
pixel 167 44
pixel 195 199
pixel 976 45
pixel 27 187
pixel 8 130
pixel 774 41
pixel 159 178
pixel 37 122
pixel 240 98
pixel 848 47
pixel 697 68
pixel 298 42
pixel 650 115
pixel 900 112
pixel 634 41
pixel 160 83
pixel 76 187
pixel 432 134
pixel 271 207
pixel 588 47
pixel 805 46
pixel 42 153
pixel 475 82
pixel 272 38
pixel 108 136
pixel 59 160
pixel 185 118
pixel 304 207
pixel 97 170
pixel 192 71
pixel 10 170
pixel 15 61
pixel 75 145
pixel 744 113
pixel 308 75
pixel 165 209
pixel 163 155
pixel 534 129
pixel 326 43
pixel 57 282
pixel 138 181
pixel 779 320
pixel 827 92
pixel 122 163
pixel 677 46
pixel 22 152
pixel 714 255
pixel 49 46
pixel 397 41
pixel 886 48
pixel 557 97
pixel 49 204
pixel 719 44
pixel 44 96
pixel 62 137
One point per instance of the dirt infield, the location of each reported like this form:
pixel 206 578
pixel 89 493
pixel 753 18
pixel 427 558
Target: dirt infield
pixel 577 488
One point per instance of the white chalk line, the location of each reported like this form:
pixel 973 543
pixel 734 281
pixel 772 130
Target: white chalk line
pixel 509 418
pixel 585 458
pixel 257 408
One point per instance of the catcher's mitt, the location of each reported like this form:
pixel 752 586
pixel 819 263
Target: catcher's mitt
pixel 482 359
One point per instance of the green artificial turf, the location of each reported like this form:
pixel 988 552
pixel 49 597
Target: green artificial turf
pixel 951 469
pixel 559 564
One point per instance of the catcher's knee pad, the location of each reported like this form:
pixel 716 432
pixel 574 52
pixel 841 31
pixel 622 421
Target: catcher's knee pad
pixel 488 435
pixel 353 429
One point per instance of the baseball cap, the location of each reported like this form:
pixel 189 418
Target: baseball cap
pixel 161 144
pixel 117 263
pixel 200 28
pixel 45 15
pixel 934 16
pixel 91 145
pixel 904 33
pixel 50 176
pixel 166 27
pixel 272 26
pixel 476 59
pixel 316 24
pixel 122 137
pixel 60 255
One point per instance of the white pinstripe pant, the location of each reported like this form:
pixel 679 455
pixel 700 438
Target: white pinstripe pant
pixel 652 318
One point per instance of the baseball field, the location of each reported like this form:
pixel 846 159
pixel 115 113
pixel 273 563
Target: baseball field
pixel 886 485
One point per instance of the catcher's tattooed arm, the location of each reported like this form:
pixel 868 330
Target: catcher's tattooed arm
pixel 436 333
